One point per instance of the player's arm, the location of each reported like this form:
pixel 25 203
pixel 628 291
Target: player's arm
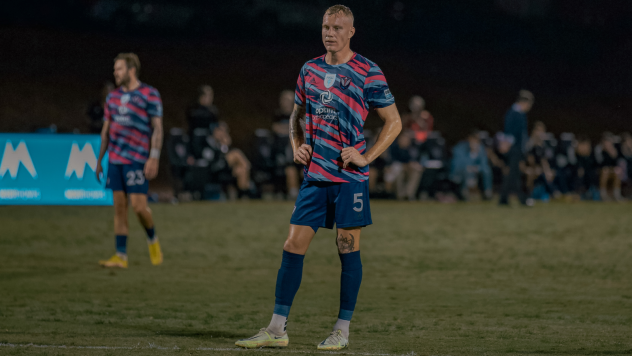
pixel 105 141
pixel 151 167
pixel 391 129
pixel 302 151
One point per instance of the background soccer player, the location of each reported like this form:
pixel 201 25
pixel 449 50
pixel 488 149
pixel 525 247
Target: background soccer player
pixel 133 118
pixel 333 96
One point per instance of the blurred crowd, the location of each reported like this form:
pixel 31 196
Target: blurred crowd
pixel 419 165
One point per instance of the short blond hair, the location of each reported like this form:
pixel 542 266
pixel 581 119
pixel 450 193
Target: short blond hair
pixel 131 61
pixel 336 9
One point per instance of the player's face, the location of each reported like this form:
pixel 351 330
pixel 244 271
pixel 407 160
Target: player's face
pixel 121 73
pixel 337 31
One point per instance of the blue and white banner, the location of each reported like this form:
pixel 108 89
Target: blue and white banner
pixel 51 169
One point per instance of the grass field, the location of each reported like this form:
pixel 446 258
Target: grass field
pixel 438 280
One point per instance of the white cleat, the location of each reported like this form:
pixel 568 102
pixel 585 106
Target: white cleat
pixel 335 341
pixel 264 338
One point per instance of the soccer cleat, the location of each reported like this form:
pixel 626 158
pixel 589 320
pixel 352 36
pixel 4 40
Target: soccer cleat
pixel 155 254
pixel 114 261
pixel 335 341
pixel 264 338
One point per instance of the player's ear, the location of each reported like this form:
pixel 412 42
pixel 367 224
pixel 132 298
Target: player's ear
pixel 351 31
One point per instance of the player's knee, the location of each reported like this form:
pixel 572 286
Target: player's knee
pixel 139 208
pixel 346 242
pixel 292 245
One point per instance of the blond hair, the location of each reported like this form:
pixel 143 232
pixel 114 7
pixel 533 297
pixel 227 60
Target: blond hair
pixel 336 9
pixel 131 61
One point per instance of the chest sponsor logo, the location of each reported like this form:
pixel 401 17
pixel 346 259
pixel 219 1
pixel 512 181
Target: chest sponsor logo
pixel 122 109
pixel 344 82
pixel 326 97
pixel 330 79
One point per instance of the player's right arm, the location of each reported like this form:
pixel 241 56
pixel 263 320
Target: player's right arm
pixel 105 141
pixel 302 151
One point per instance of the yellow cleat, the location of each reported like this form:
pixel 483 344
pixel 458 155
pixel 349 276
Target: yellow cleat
pixel 155 254
pixel 114 261
pixel 264 338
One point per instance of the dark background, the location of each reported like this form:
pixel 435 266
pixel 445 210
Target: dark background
pixel 468 58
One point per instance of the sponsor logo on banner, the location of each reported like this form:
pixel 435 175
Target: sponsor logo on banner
pixel 79 159
pixel 12 158
pixel 344 82
pixel 326 97
pixel 330 79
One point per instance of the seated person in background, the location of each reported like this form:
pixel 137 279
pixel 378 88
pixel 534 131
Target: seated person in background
pixel 203 114
pixel 418 120
pixel 470 168
pixel 286 178
pixel 538 168
pixel 237 161
pixel 403 175
pixel 607 158
pixel 95 111
pixel 626 157
pixel 497 155
pixel 586 178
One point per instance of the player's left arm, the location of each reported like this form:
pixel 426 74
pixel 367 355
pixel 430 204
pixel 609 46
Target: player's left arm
pixel 151 167
pixel 390 131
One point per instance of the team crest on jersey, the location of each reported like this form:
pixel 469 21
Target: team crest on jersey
pixel 344 82
pixel 330 79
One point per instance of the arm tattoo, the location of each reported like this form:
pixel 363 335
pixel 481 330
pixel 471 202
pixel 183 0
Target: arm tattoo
pixel 156 137
pixel 297 127
pixel 345 244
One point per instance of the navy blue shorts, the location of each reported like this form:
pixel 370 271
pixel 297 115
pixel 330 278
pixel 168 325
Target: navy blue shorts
pixel 321 204
pixel 129 178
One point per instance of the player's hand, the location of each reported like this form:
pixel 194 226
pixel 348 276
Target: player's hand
pixel 151 168
pixel 99 171
pixel 303 155
pixel 351 155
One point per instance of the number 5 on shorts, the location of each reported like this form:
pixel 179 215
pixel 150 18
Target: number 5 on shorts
pixel 356 199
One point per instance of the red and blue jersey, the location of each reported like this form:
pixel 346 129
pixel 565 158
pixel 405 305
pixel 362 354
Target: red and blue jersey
pixel 337 100
pixel 129 114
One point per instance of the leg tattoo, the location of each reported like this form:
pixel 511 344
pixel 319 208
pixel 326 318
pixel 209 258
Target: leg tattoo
pixel 346 244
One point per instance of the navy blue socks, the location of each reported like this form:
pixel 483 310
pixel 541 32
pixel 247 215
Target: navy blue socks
pixel 121 244
pixel 350 281
pixel 288 281
pixel 150 234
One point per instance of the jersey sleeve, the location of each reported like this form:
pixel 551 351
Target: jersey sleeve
pixel 299 93
pixel 376 91
pixel 107 112
pixel 154 104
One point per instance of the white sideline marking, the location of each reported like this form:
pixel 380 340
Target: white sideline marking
pixel 156 347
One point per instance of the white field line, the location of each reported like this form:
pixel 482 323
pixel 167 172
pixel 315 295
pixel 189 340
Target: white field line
pixel 156 347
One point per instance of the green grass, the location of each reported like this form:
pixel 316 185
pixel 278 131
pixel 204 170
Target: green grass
pixel 438 280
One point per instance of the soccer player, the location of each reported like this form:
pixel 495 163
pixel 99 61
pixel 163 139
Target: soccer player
pixel 332 99
pixel 133 124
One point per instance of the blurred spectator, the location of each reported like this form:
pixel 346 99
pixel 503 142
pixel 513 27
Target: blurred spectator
pixel 566 165
pixel 418 120
pixel 95 110
pixel 586 181
pixel 516 126
pixel 626 156
pixel 203 114
pixel 497 156
pixel 470 168
pixel 607 157
pixel 286 175
pixel 403 174
pixel 538 168
pixel 433 159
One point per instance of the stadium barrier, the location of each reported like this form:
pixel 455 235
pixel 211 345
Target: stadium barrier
pixel 51 169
